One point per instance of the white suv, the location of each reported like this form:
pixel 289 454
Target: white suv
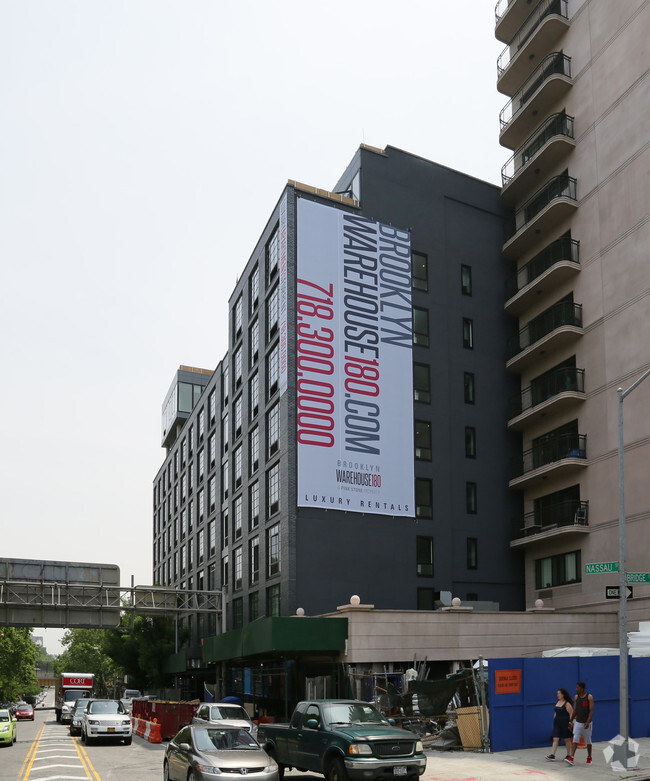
pixel 106 719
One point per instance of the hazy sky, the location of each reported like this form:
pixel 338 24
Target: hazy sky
pixel 143 145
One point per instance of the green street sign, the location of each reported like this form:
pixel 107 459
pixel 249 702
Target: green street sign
pixel 603 566
pixel 638 577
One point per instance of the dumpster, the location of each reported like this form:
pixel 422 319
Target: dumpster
pixel 170 715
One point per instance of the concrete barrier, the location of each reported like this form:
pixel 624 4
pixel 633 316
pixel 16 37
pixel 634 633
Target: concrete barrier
pixel 148 730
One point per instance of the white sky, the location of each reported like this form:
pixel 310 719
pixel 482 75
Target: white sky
pixel 143 145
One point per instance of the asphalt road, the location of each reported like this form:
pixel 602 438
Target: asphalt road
pixel 45 751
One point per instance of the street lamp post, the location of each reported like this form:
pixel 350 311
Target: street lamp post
pixel 622 572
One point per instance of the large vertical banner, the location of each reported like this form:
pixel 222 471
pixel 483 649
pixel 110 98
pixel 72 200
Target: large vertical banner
pixel 283 294
pixel 354 364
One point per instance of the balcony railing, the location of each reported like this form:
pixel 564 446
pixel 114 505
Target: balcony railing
pixel 546 387
pixel 551 450
pixel 556 125
pixel 566 513
pixel 544 8
pixel 500 9
pixel 554 64
pixel 563 249
pixel 564 313
pixel 562 186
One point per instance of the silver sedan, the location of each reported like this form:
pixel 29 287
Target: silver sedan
pixel 202 753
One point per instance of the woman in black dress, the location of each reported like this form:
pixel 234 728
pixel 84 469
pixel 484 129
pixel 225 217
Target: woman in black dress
pixel 561 719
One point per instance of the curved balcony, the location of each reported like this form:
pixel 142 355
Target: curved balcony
pixel 566 517
pixel 509 15
pixel 554 328
pixel 552 393
pixel 544 211
pixel 541 91
pixel 542 152
pixel 562 454
pixel 542 274
pixel 537 35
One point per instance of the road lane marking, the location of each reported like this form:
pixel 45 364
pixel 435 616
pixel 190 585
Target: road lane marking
pixel 30 755
pixel 86 760
pixel 48 754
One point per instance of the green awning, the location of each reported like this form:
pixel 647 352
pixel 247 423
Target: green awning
pixel 278 635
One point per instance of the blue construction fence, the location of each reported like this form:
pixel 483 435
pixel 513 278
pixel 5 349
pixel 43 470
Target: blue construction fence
pixel 523 694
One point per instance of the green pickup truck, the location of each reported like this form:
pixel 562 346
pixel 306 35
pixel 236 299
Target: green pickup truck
pixel 343 739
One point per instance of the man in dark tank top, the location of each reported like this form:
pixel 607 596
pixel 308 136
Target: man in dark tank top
pixel 583 714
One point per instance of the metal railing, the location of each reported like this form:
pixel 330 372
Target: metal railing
pixel 563 313
pixel 561 186
pixel 545 387
pixel 555 448
pixel 563 513
pixel 556 125
pixel 563 249
pixel 535 18
pixel 553 64
pixel 500 9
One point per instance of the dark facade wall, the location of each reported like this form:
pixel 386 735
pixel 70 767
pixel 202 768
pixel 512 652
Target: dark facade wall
pixel 454 220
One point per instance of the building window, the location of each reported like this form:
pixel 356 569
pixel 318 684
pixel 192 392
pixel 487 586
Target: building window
pixel 200 506
pixel 254 449
pixel 470 442
pixel 254 395
pixel 238 563
pixel 471 502
pixel 423 498
pixel 423 440
pixel 254 348
pixel 201 538
pixel 272 313
pixel 273 255
pixel 212 407
pixel 472 553
pixel 212 493
pixel 424 556
pixel 237 518
pixel 212 543
pixel 466 280
pixel 420 327
pixel 421 383
pixel 225 477
pixel 273 600
pixel 426 599
pixel 273 550
pixel 468 333
pixel 254 505
pixel 212 449
pixel 468 387
pixel 420 273
pixel 237 415
pixel 254 288
pixel 201 467
pixel 254 560
pixel 225 570
pixel 237 367
pixel 225 380
pixel 273 490
pixel 253 606
pixel 273 430
pixel 273 371
pixel 201 425
pixel 225 433
pixel 225 530
pixel 237 317
pixel 237 467
pixel 558 570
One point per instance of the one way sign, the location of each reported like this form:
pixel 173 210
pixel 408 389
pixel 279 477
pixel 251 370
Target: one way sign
pixel 614 592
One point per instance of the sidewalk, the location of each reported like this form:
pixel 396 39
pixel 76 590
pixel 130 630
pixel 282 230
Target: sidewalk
pixel 530 763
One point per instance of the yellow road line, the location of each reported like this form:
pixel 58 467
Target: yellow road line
pixel 85 760
pixel 29 759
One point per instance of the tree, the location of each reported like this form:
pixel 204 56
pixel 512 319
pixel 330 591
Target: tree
pixel 142 651
pixel 86 652
pixel 17 662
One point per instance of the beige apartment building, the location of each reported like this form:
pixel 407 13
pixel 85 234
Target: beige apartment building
pixel 575 77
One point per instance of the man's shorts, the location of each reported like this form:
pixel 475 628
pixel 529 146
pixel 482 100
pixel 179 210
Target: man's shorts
pixel 580 731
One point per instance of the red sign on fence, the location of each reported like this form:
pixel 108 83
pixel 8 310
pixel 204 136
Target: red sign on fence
pixel 507 681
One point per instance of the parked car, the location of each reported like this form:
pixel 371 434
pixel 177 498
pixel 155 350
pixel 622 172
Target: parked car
pixel 25 712
pixel 78 715
pixel 7 727
pixel 106 719
pixel 128 697
pixel 199 753
pixel 223 714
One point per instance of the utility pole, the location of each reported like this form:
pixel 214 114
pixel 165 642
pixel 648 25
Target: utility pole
pixel 622 573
